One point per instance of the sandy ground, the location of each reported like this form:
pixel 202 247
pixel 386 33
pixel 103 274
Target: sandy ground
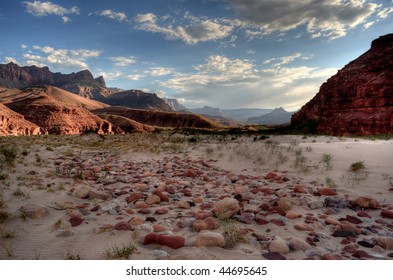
pixel 50 171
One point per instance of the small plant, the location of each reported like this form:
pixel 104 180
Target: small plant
pixel 49 148
pixel 326 160
pixel 357 166
pixel 123 252
pixel 309 149
pixel 233 235
pixel 7 155
pixel 193 139
pixel 4 215
pixel 58 224
pixel 330 182
pixel 18 192
pixel 72 257
pixel 25 153
pixel 7 233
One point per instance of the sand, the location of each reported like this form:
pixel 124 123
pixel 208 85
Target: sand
pixel 49 169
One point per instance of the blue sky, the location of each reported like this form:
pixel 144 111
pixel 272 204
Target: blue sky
pixel 220 53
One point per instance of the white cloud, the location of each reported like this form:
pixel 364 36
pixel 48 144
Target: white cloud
pixel 8 59
pixel 230 83
pixel 135 77
pixel 40 9
pixel 119 16
pixel 385 12
pixel 110 76
pixel 60 59
pixel 159 71
pixel 23 46
pixel 194 31
pixel 123 61
pixel 328 18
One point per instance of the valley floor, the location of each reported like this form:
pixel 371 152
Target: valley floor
pixel 105 197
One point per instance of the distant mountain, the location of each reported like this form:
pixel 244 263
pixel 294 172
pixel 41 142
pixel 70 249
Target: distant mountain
pixel 208 111
pixel 82 83
pixel 175 105
pixel 136 99
pixel 242 115
pixel 277 117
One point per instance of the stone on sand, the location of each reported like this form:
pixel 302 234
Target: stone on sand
pixel 209 239
pixel 226 208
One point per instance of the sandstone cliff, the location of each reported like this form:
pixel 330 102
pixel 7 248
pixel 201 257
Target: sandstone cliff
pixel 358 100
pixel 161 119
pixel 12 123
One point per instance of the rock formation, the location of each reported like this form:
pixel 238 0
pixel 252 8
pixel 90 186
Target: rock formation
pixel 57 117
pixel 126 124
pixel 277 117
pixel 358 100
pixel 161 119
pixel 12 123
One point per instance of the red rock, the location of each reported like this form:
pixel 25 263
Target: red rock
pixel 300 189
pixel 140 205
pixel 270 176
pixel 209 223
pixel 122 226
pixel 34 211
pixel 360 254
pixel 190 173
pixel 353 220
pixel 162 211
pixel 304 227
pixel 12 123
pixel 170 190
pixel 367 203
pixel 75 221
pixel 260 221
pixel 171 241
pixel 135 196
pixel 351 248
pixel 357 99
pixel 144 211
pixel 153 199
pixel 136 221
pixel 278 222
pixel 327 192
pixel 387 214
pixel 267 191
pixel 363 214
pixel 201 215
pixel 293 215
pixel 331 257
pixel 197 200
pixel 159 228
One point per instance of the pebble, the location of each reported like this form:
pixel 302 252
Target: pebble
pixel 297 244
pixel 209 239
pixel 247 218
pixel 75 221
pixel 226 208
pixel 327 192
pixel 171 241
pixel 153 199
pixel 387 214
pixel 367 203
pixel 304 227
pixel 159 254
pixel 300 189
pixel 81 192
pixel 209 223
pixel 344 233
pixel 278 245
pixel 293 215
pixel 385 242
pixel 335 202
pixel 360 254
pixel 353 219
pixel 365 244
pixel 122 226
pixel 273 256
pixel 34 211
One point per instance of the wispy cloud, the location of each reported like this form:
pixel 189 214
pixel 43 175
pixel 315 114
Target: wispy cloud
pixel 193 31
pixel 40 9
pixel 60 59
pixel 119 16
pixel 325 18
pixel 123 61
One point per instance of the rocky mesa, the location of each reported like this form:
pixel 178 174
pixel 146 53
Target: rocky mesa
pixel 358 100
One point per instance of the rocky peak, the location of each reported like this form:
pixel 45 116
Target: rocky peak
pixel 358 100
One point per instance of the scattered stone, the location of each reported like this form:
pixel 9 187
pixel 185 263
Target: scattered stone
pixel 161 211
pixel 293 215
pixel 360 254
pixel 75 221
pixel 385 242
pixel 98 194
pixel 226 208
pixel 183 204
pixel 285 203
pixel 327 192
pixel 387 214
pixel 171 241
pixel 300 189
pixel 365 244
pixel 135 196
pixel 353 220
pixel 274 256
pixel 344 233
pixel 367 203
pixel 270 176
pixel 335 202
pixel 34 211
pixel 153 199
pixel 122 226
pixel 277 222
pixel 247 218
pixel 209 223
pixel 297 244
pixel 209 239
pixel 159 254
pixel 81 192
pixel 278 245
pixel 363 215
pixel 304 227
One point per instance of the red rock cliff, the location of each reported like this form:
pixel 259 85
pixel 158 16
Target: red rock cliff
pixel 358 100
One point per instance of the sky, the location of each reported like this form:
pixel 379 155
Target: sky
pixel 219 53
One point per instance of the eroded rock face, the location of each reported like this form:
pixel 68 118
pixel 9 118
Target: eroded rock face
pixel 358 100
pixel 12 123
pixel 58 118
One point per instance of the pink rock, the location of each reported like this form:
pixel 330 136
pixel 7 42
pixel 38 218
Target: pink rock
pixel 367 203
pixel 353 219
pixel 135 196
pixel 171 241
pixel 270 176
pixel 278 222
pixel 363 214
pixel 304 227
pixel 163 197
pixel 136 221
pixel 34 211
pixel 122 226
pixel 140 205
pixel 209 223
pixel 331 256
pixel 293 215
pixel 300 189
pixel 209 239
pixel 279 245
pixel 327 192
pixel 226 208
pixel 159 228
pixel 190 173
pixel 261 221
pixel 201 215
pixel 161 211
pixel 153 199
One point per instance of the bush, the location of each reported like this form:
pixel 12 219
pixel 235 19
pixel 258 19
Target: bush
pixel 357 166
